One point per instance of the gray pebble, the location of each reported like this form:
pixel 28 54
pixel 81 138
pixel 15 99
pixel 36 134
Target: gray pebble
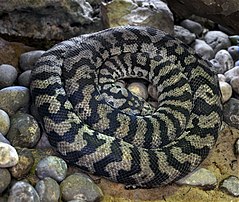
pixel 24 78
pixel 8 155
pixel 236 146
pixel 201 177
pixel 8 75
pixel 192 26
pixel 24 165
pixel 24 130
pixel 4 122
pixel 3 139
pixel 234 52
pixel 48 190
pixel 23 192
pixel 230 185
pixel 28 59
pixel 203 49
pixel 235 84
pixel 52 166
pixel 13 98
pixel 5 179
pixel 184 35
pixel 43 143
pixel 79 186
pixel 225 60
pixel 231 112
pixel 217 40
pixel 217 67
pixel 234 72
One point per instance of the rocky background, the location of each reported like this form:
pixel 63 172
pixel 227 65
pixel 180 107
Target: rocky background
pixel 30 170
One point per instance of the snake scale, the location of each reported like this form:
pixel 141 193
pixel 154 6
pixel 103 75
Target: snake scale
pixel 106 130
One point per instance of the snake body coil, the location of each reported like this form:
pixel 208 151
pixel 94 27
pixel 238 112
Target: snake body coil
pixel 106 130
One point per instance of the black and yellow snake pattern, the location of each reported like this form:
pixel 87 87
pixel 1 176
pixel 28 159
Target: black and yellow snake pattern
pixel 105 129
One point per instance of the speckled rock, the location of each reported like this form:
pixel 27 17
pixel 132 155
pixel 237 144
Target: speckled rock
pixel 48 190
pixel 203 49
pixel 23 192
pixel 3 139
pixel 236 147
pixel 8 155
pixel 52 166
pixel 5 179
pixel 24 165
pixel 234 52
pixel 24 130
pixel 80 186
pixel 24 78
pixel 192 26
pixel 4 122
pixel 28 59
pixel 226 91
pixel 231 112
pixel 13 98
pixel 8 75
pixel 184 35
pixel 138 89
pixel 201 177
pixel 230 185
pixel 217 40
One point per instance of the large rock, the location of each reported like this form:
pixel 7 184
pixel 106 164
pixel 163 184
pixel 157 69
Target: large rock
pixel 223 12
pixel 50 19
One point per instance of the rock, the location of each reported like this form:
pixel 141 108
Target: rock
pixel 237 63
pixel 184 35
pixel 80 186
pixel 72 18
pixel 222 12
pixel 43 143
pixel 8 155
pixel 24 130
pixel 52 166
pixel 236 147
pixel 3 139
pixel 230 74
pixel 11 51
pixel 203 49
pixel 225 60
pixel 5 179
pixel 138 89
pixel 231 112
pixel 152 91
pixel 201 177
pixel 23 192
pixel 234 52
pixel 28 59
pixel 235 84
pixel 24 165
pixel 8 75
pixel 4 122
pixel 226 91
pixel 234 39
pixel 192 26
pixel 230 186
pixel 217 40
pixel 24 78
pixel 128 12
pixel 13 98
pixel 48 190
pixel 221 77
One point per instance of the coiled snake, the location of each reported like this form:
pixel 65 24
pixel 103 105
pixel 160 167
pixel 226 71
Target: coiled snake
pixel 105 129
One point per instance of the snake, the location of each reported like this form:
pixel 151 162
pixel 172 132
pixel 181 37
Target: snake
pixel 104 129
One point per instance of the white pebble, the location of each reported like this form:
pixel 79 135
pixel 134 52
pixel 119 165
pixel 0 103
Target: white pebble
pixel 8 155
pixel 138 89
pixel 226 91
pixel 221 77
pixel 4 122
pixel 225 59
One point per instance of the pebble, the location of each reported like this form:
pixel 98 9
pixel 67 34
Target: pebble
pixel 192 26
pixel 201 177
pixel 236 147
pixel 203 49
pixel 4 174
pixel 230 74
pixel 13 98
pixel 235 84
pixel 3 139
pixel 225 60
pixel 24 78
pixel 23 192
pixel 226 91
pixel 234 52
pixel 184 35
pixel 217 40
pixel 52 166
pixel 230 185
pixel 79 186
pixel 234 39
pixel 8 155
pixel 138 89
pixel 4 122
pixel 221 77
pixel 48 190
pixel 24 165
pixel 28 59
pixel 24 130
pixel 231 112
pixel 8 75
pixel 237 63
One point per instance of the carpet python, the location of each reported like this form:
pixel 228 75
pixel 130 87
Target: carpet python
pixel 105 129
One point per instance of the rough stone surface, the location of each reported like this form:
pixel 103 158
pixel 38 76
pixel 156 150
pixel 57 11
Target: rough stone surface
pixel 222 12
pixel 58 19
pixel 8 155
pixel 231 112
pixel 231 185
pixel 225 60
pixel 5 179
